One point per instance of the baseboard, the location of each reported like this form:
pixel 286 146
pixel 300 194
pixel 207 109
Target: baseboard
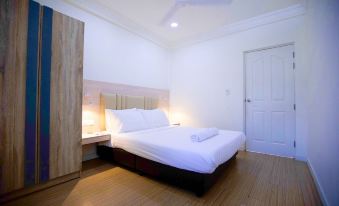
pixel 267 154
pixel 317 184
pixel 301 158
pixel 26 191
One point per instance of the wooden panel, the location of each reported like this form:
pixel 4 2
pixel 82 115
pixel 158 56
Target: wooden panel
pixel 129 102
pixel 66 95
pixel 151 103
pixel 13 38
pixel 93 90
pixel 108 101
pixel 35 188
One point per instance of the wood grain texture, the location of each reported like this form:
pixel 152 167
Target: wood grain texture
pixel 13 35
pixel 22 192
pixel 93 89
pixel 66 95
pixel 253 179
pixel 96 138
pixel 129 102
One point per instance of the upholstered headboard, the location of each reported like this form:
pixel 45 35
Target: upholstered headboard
pixel 118 102
pixel 98 93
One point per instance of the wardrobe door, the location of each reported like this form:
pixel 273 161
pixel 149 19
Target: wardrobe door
pixel 19 27
pixel 61 95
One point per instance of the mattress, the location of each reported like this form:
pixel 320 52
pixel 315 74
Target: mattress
pixel 173 146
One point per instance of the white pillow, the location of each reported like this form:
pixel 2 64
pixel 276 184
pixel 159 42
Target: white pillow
pixel 155 118
pixel 124 120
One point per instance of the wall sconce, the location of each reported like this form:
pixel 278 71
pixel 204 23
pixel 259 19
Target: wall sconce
pixel 177 118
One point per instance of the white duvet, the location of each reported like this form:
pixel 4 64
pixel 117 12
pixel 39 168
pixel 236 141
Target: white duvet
pixel 173 146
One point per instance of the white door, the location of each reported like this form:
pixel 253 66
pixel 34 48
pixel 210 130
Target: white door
pixel 270 105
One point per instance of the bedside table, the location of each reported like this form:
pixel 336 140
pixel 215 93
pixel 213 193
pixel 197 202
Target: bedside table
pixel 95 137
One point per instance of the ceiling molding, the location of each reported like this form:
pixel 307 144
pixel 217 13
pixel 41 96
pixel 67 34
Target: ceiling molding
pixel 129 25
pixel 118 20
pixel 268 18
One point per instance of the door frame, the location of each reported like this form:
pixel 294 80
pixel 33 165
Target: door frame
pixel 244 85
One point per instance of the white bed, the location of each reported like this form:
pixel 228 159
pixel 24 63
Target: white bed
pixel 173 146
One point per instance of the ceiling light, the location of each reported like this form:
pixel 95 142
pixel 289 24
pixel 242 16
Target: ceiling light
pixel 174 24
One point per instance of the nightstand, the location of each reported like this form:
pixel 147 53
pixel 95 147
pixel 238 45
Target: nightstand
pixel 95 137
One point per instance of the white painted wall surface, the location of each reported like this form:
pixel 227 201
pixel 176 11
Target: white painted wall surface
pixel 112 54
pixel 323 97
pixel 201 73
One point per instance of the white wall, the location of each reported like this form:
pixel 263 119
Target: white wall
pixel 323 96
pixel 201 73
pixel 113 54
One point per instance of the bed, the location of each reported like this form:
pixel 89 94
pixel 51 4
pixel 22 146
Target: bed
pixel 167 152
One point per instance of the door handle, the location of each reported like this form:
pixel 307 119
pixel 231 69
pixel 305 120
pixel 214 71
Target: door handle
pixel 248 100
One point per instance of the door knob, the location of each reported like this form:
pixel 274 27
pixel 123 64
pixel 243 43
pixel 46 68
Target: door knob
pixel 248 100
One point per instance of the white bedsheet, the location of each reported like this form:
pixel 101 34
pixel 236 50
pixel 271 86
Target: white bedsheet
pixel 173 146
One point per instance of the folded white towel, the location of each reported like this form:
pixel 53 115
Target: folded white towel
pixel 204 134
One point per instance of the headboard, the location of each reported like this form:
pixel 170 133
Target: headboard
pixel 115 101
pixel 119 96
pixel 118 102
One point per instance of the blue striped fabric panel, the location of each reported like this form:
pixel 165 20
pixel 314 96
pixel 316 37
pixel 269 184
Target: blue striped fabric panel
pixel 31 93
pixel 45 93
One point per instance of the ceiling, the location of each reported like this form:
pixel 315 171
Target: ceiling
pixel 194 20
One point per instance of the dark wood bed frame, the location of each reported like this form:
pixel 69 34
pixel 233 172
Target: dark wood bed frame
pixel 199 183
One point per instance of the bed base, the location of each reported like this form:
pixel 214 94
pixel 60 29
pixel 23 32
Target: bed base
pixel 199 183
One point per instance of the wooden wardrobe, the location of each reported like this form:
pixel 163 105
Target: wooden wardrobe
pixel 41 66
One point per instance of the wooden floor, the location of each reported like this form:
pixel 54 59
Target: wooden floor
pixel 252 179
